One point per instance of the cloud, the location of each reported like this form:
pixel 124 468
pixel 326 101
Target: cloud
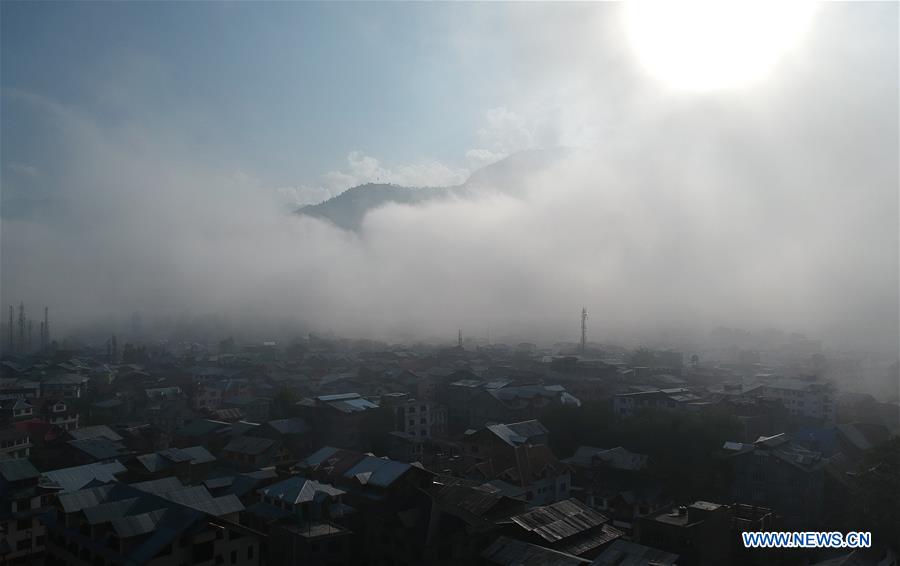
pixel 777 207
pixel 505 132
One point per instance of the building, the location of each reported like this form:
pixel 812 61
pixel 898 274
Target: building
pixel 14 443
pixel 698 533
pixel 706 533
pixel 123 524
pixel 626 405
pixel 517 455
pixel 568 526
pixel 778 473
pixel 20 505
pixel 65 386
pixel 418 419
pixel 338 420
pixel 807 399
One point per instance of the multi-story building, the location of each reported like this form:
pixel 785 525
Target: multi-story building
pixel 674 399
pixel 777 473
pixel 58 413
pixel 416 418
pixel 65 386
pixel 14 443
pixel 20 504
pixel 339 420
pixel 808 399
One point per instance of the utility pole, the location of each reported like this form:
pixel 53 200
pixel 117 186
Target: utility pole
pixel 459 340
pixel 583 329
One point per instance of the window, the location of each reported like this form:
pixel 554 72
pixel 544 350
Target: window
pixel 249 553
pixel 234 556
pixel 23 544
pixel 23 524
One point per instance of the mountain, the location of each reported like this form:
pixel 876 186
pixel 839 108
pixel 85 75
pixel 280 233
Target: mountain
pixel 508 176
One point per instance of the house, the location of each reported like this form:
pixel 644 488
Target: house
pixel 393 507
pixel 338 420
pixel 15 409
pixel 58 413
pixel 251 452
pixel 253 408
pixel 64 386
pixel 498 436
pixel 474 403
pixel 778 473
pixel 698 533
pixel 505 452
pixel 294 433
pixel 14 443
pixel 123 524
pixel 95 449
pixel 706 533
pixel 465 517
pixel 190 464
pixel 626 405
pixel 78 477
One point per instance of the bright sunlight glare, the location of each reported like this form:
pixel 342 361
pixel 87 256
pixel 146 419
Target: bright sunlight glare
pixel 704 45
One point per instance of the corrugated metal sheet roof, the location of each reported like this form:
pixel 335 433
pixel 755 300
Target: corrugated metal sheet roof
pixel 298 489
pixel 560 520
pixel 71 479
pixel 383 472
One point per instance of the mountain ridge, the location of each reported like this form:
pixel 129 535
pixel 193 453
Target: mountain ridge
pixel 347 209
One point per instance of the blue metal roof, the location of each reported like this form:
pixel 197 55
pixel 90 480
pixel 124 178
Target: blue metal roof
pixel 377 471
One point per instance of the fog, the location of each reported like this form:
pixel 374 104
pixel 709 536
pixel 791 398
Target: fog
pixel 775 206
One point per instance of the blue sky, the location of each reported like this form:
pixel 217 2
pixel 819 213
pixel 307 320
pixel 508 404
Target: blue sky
pixel 285 90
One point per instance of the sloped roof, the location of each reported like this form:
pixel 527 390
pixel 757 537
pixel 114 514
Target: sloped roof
pixel 100 448
pixel 74 478
pixel 298 489
pixel 377 471
pixel 165 459
pixel 294 425
pixel 518 433
pixel 250 445
pixel 18 469
pixel 95 432
pixel 560 520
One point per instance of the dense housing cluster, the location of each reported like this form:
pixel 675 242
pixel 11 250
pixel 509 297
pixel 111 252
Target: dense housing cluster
pixel 335 452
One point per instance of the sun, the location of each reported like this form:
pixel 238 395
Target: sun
pixel 703 45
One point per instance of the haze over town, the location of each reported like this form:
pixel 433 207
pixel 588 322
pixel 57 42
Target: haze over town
pixel 151 182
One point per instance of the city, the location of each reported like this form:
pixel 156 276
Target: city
pixel 340 283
